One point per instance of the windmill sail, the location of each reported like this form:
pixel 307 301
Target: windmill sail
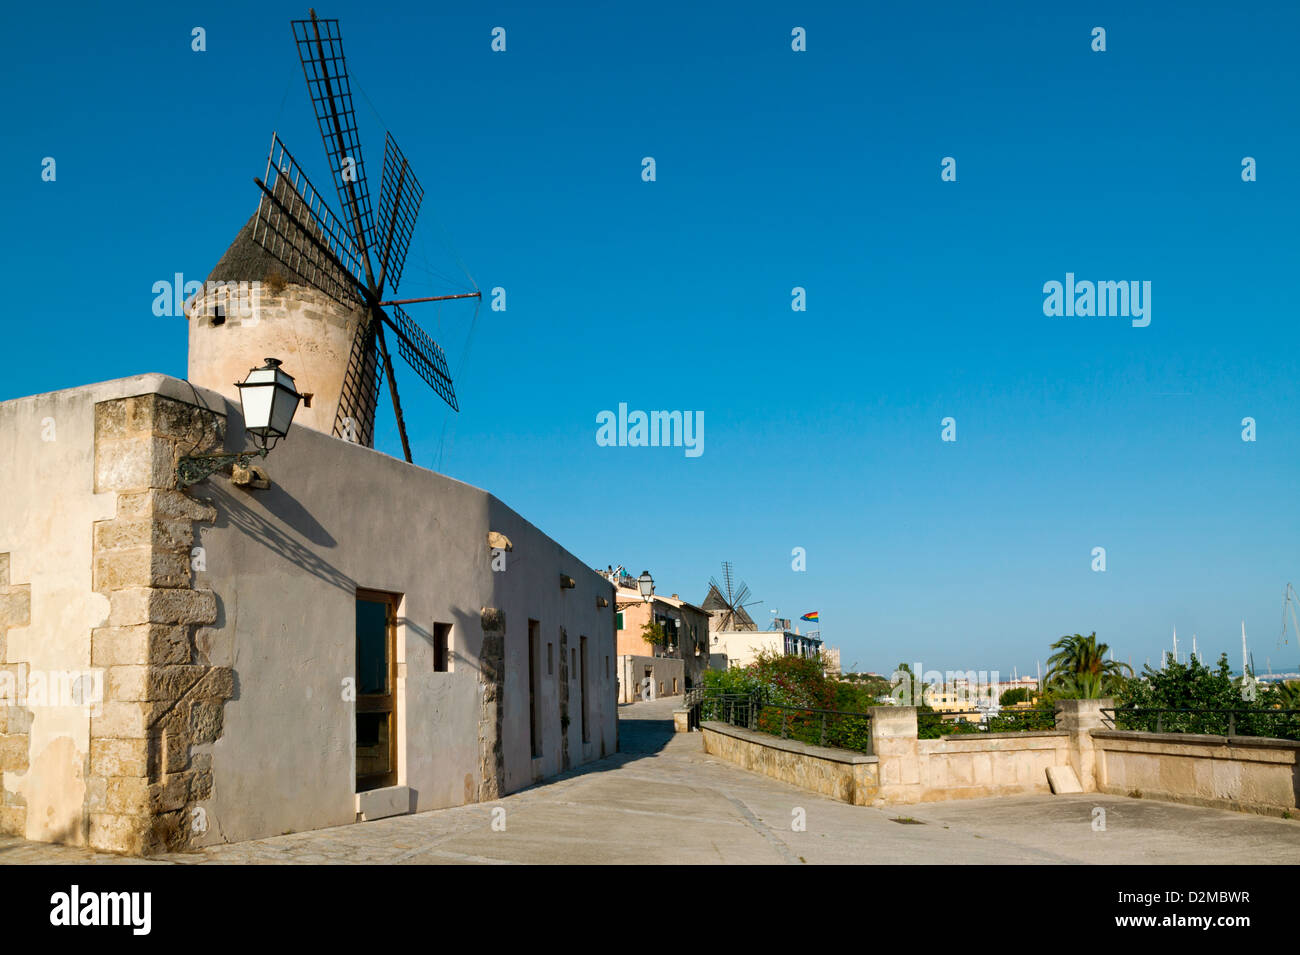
pixel 320 50
pixel 355 418
pixel 400 195
pixel 726 603
pixel 350 258
pixel 424 355
pixel 299 230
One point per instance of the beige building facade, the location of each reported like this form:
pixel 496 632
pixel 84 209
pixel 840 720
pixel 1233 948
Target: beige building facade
pixel 647 671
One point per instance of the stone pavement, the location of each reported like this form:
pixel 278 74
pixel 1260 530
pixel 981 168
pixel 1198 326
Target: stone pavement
pixel 662 800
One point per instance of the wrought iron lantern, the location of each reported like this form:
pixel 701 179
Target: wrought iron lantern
pixel 269 400
pixel 647 585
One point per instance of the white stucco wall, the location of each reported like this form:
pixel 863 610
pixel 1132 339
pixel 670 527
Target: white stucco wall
pixel 286 563
pixel 742 647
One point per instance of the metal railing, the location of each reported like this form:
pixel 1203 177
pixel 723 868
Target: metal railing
pixel 835 728
pixel 843 729
pixel 1275 724
pixel 935 723
pixel 1024 720
pixel 839 729
pixel 707 703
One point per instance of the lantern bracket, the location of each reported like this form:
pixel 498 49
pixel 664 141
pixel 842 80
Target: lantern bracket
pixel 194 468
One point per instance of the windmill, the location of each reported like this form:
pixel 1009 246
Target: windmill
pixel 356 259
pixel 726 602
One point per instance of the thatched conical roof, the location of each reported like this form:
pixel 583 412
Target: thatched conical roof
pixel 247 261
pixel 296 259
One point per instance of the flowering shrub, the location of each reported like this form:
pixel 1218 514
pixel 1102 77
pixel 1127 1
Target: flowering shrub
pixel 781 680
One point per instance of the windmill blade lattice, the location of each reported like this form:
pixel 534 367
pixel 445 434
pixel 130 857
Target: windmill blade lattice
pixel 355 418
pixel 299 230
pixel 320 50
pixel 424 355
pixel 400 195
pixel 731 596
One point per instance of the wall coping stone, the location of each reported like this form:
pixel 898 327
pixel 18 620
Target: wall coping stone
pixel 789 745
pixel 1194 739
pixel 1023 734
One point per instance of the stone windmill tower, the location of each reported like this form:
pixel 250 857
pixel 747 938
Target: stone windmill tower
pixel 302 285
pixel 254 306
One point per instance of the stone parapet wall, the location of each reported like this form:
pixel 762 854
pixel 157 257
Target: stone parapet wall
pixel 1240 772
pixel 848 777
pixel 972 767
pixel 903 769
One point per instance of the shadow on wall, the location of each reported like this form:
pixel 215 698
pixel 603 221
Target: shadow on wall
pixel 461 622
pixel 234 510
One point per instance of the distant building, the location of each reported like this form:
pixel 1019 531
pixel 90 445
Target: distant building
pixel 735 640
pixel 646 671
pixel 738 648
pixel 958 698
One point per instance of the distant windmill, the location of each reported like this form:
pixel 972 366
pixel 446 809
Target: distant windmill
pixel 726 602
pixel 354 260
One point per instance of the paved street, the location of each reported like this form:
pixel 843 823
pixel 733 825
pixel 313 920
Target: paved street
pixel 662 800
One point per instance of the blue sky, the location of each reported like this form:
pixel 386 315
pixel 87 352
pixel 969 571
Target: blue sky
pixel 775 169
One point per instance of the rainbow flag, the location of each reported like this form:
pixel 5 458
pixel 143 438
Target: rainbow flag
pixel 811 615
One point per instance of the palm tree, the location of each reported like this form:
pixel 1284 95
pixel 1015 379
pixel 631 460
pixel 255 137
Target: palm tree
pixel 1079 668
pixel 1288 694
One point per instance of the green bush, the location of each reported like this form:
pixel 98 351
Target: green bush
pixel 1194 686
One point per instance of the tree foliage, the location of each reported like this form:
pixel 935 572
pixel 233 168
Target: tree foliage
pixel 1010 697
pixel 1194 686
pixel 1079 669
pixel 653 633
